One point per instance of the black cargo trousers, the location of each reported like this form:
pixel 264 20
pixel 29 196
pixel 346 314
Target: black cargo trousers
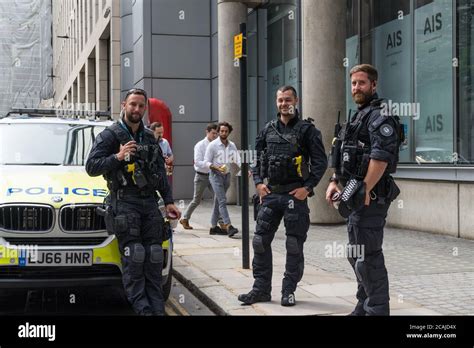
pixel 138 226
pixel 365 229
pixel 295 214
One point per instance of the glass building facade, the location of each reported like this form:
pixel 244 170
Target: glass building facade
pixel 274 58
pixel 423 52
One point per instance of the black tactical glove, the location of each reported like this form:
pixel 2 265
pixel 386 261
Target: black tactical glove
pixel 352 197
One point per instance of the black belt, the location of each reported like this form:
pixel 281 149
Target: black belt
pixel 206 174
pixel 285 188
pixel 135 193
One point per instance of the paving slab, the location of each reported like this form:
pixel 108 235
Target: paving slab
pixel 425 276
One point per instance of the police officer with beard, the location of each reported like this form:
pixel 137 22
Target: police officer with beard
pixel 291 158
pixel 130 159
pixel 364 154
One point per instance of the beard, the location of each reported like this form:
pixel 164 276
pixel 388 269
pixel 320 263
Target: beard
pixel 133 118
pixel 361 98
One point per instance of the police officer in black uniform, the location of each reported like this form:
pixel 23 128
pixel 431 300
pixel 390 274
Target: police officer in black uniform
pixel 130 159
pixel 365 153
pixel 290 155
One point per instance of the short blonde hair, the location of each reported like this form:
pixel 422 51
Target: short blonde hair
pixel 367 68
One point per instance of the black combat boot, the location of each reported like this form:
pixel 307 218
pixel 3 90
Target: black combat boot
pixel 254 296
pixel 358 310
pixel 288 299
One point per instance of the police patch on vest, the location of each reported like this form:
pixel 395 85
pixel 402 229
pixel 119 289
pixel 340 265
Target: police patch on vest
pixel 386 130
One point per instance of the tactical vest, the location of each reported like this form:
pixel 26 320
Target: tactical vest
pixel 284 161
pixel 142 171
pixel 355 146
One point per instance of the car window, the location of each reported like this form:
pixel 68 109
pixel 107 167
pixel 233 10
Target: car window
pixel 46 144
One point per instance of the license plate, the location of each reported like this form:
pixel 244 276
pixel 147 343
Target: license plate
pixel 59 258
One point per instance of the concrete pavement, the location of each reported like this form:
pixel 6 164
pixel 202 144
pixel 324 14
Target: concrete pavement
pixel 429 274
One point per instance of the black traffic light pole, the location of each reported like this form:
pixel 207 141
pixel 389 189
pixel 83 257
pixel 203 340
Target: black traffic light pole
pixel 244 143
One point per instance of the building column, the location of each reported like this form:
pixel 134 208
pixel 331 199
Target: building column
pixel 81 87
pixel 90 82
pixel 101 69
pixel 68 98
pixel 115 59
pixel 76 91
pixel 229 16
pixel 323 100
pixel 73 93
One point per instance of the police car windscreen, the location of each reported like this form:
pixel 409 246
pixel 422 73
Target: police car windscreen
pixel 46 144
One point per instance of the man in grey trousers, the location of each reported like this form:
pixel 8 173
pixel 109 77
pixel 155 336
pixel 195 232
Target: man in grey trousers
pixel 220 155
pixel 201 178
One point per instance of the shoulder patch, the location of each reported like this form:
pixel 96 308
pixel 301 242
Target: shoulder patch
pixel 386 130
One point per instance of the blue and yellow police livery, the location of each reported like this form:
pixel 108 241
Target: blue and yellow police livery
pixel 50 231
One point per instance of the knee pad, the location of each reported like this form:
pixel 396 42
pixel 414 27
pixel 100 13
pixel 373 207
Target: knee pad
pixel 137 253
pixel 156 253
pixel 257 244
pixel 292 246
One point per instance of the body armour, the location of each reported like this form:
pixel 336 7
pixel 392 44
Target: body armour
pixel 284 161
pixel 354 146
pixel 140 171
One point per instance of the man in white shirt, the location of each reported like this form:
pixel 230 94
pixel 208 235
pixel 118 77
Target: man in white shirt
pixel 201 178
pixel 220 154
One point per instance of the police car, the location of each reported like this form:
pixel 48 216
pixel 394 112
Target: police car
pixel 50 231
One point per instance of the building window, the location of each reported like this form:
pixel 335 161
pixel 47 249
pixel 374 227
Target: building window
pixel 392 55
pixel 274 58
pixel 91 16
pixel 410 42
pixel 352 47
pixel 253 76
pixel 434 136
pixel 282 50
